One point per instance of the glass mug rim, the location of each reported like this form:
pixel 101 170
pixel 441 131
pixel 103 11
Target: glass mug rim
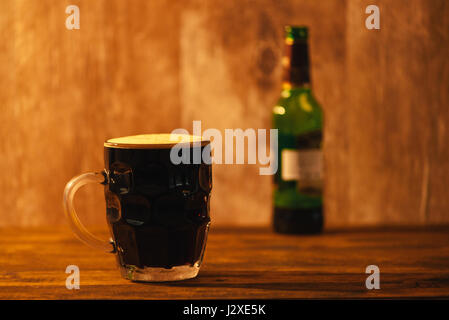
pixel 156 141
pixel 146 143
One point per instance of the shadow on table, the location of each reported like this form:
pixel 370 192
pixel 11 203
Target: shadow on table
pixel 258 280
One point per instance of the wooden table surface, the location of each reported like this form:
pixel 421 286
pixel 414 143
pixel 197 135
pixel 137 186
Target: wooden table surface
pixel 240 263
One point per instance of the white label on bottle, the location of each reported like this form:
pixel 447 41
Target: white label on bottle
pixel 301 165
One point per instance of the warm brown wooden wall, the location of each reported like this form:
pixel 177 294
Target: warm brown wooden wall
pixel 397 128
pixel 64 92
pixel 152 66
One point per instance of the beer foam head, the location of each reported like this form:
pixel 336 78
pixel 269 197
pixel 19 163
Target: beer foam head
pixel 156 141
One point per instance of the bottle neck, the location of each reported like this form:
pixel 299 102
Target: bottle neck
pixel 291 86
pixel 296 64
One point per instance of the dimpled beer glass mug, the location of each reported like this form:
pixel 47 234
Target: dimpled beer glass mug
pixel 157 190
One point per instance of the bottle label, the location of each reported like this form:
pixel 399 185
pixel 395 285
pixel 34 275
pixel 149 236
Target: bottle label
pixel 304 166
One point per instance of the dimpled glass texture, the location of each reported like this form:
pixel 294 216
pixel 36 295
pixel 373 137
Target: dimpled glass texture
pixel 157 212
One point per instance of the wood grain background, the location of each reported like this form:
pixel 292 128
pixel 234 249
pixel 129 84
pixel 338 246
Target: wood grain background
pixel 153 66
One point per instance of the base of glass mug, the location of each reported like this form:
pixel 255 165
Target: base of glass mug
pixel 150 274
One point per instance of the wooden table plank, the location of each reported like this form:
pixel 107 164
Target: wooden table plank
pixel 240 263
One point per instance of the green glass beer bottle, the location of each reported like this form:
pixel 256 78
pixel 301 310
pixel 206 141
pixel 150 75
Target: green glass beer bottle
pixel 298 117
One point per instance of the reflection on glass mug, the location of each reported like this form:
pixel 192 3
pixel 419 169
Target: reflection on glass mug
pixel 157 211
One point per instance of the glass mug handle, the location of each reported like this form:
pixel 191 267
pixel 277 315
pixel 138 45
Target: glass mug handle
pixel 77 227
